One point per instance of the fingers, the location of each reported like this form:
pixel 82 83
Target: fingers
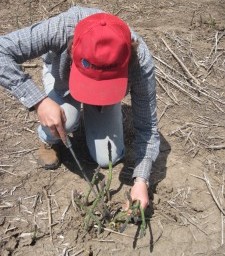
pixel 61 132
pixel 54 131
pixel 63 115
pixel 61 129
pixel 51 115
pixel 126 206
pixel 57 130
pixel 139 192
pixel 144 204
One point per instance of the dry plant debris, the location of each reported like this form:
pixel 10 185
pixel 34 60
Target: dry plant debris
pixel 180 70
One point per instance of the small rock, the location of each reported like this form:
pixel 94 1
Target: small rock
pixel 11 245
pixel 169 189
pixel 2 220
pixel 156 199
pixel 26 241
pixel 6 253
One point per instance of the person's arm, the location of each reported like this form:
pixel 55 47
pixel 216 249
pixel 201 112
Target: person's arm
pixel 28 43
pixel 146 143
pixel 25 44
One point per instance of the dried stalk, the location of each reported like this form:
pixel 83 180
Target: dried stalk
pixel 115 232
pixel 205 178
pixel 210 67
pixel 29 65
pixel 49 213
pixel 3 170
pixel 54 6
pixel 168 66
pixel 216 43
pixel 219 108
pixel 195 85
pixel 212 194
pixel 77 253
pixel 25 151
pixel 165 77
pixel 65 211
pixel 188 73
pixel 222 217
pixel 164 111
pixel 188 219
pixel 216 147
pixel 159 82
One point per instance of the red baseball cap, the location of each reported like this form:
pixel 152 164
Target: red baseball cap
pixel 100 55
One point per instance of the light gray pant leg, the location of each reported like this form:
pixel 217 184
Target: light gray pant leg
pixel 71 108
pixel 101 127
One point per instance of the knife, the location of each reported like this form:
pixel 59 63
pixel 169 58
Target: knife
pixel 68 144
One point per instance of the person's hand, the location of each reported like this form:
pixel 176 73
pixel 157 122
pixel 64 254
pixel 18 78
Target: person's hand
pixel 51 115
pixel 139 191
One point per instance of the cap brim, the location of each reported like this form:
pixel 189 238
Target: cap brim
pixel 97 92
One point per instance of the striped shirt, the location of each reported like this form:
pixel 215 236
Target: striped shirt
pixel 49 39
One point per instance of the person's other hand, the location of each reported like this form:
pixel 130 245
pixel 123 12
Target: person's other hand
pixel 139 191
pixel 51 115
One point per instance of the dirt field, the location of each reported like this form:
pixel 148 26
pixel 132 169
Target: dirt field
pixel 187 41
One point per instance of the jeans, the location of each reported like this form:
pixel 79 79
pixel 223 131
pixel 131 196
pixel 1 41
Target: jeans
pixel 101 126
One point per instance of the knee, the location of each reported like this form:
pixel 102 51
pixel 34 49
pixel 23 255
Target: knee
pixel 72 117
pixel 71 125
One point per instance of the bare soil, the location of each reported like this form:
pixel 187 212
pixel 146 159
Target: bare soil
pixel 187 185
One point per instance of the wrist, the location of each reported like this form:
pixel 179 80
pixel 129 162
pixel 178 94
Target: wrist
pixel 141 180
pixel 38 104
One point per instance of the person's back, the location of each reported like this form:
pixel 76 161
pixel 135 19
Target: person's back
pixel 87 57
